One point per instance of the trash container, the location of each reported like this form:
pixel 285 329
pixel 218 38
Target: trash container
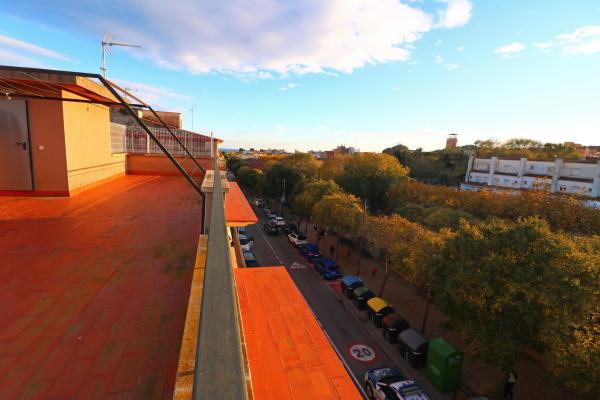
pixel 444 365
pixel 393 325
pixel 361 295
pixel 349 283
pixel 413 348
pixel 378 308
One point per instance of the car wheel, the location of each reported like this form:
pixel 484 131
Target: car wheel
pixel 369 391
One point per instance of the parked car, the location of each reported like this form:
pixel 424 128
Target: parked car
pixel 242 230
pixel 250 259
pixel 271 215
pixel 389 384
pixel 279 221
pixel 246 243
pixel 258 202
pixel 310 251
pixel 267 211
pixel 289 228
pixel 327 268
pixel 297 239
pixel 271 229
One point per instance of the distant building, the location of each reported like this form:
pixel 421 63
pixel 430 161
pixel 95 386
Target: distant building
pixel 558 176
pixel 451 141
pixel 341 149
pixel 584 151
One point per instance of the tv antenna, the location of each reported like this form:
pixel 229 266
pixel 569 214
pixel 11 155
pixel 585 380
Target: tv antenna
pixel 107 43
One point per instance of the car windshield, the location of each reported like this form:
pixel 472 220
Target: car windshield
pixel 332 268
pixel 244 242
pixel 301 237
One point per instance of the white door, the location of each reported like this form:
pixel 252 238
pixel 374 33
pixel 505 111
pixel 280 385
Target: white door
pixel 15 162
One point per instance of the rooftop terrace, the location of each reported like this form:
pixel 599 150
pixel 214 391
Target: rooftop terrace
pixel 94 288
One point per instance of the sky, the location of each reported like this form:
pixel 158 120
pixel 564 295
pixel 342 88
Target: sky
pixel 314 74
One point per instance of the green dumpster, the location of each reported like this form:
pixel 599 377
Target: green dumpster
pixel 444 365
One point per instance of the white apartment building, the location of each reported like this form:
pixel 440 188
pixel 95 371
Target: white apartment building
pixel 558 176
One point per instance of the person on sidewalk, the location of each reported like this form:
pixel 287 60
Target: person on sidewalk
pixel 374 271
pixel 332 250
pixel 511 380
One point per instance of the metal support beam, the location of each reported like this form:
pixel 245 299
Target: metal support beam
pixel 158 143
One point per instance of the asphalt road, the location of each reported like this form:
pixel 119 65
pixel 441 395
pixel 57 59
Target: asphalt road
pixel 344 325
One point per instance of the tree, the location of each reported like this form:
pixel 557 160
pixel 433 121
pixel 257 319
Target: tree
pixel 248 177
pixel 274 177
pixel 370 176
pixel 338 211
pixel 509 286
pixel 333 167
pixel 306 165
pixel 304 202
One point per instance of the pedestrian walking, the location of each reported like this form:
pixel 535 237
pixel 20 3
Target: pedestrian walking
pixel 332 250
pixel 511 380
pixel 374 271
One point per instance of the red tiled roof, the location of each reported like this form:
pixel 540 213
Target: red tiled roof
pixel 289 355
pixel 237 210
pixel 93 289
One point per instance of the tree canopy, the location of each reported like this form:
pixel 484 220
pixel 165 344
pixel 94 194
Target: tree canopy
pixel 370 176
pixel 510 286
pixel 338 211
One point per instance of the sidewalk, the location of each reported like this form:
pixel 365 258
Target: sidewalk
pixel 482 379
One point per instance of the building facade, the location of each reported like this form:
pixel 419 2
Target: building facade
pixel 558 176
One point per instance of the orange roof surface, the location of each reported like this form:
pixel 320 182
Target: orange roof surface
pixel 288 353
pixel 94 289
pixel 237 210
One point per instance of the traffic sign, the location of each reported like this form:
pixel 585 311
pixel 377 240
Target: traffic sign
pixel 362 352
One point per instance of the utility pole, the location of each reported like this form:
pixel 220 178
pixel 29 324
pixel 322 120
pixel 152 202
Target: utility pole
pixel 360 238
pixel 192 110
pixel 282 198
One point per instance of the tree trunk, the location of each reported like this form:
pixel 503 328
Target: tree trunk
pixel 359 257
pixel 306 227
pixel 337 249
pixel 426 313
pixel 385 277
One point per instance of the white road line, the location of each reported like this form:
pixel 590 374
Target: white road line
pixel 348 369
pixel 271 247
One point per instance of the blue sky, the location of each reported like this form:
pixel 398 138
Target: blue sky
pixel 312 74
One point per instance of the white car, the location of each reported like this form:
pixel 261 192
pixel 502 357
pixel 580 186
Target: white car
pixel 297 239
pixel 389 384
pixel 245 243
pixel 279 221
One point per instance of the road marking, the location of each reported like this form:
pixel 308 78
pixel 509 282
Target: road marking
pixel 362 352
pixel 296 265
pixel 271 247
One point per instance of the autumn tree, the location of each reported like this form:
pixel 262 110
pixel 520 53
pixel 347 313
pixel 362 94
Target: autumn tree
pixel 509 286
pixel 333 167
pixel 370 176
pixel 340 212
pixel 312 192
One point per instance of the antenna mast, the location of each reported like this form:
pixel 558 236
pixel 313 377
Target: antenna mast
pixel 107 43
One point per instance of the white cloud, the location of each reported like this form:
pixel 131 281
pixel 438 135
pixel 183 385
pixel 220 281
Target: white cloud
pixel 8 58
pixel 396 89
pixel 8 41
pixel 583 40
pixel 438 42
pixel 456 14
pixel 289 86
pixel 510 50
pixel 450 67
pixel 263 36
pixel 439 59
pixel 149 94
pixel 460 49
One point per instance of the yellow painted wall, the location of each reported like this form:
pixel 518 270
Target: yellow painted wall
pixel 87 141
pixel 158 164
pixel 47 130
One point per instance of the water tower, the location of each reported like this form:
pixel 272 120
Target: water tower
pixel 452 141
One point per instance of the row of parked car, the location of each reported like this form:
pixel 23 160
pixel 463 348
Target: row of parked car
pixel 443 362
pixel 247 243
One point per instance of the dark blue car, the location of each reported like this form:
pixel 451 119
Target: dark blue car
pixel 327 268
pixel 309 251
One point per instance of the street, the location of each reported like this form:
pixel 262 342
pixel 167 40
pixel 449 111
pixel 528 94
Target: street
pixel 345 326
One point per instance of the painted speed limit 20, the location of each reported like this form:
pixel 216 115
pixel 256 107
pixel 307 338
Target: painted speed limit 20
pixel 362 352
